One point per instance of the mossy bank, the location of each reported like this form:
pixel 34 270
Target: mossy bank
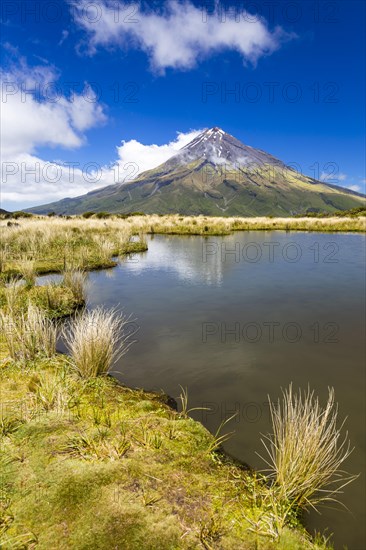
pixel 92 464
pixel 87 463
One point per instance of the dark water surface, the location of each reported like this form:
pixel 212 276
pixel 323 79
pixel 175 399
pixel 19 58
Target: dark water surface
pixel 235 319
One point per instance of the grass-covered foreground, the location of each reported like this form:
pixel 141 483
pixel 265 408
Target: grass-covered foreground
pixel 89 464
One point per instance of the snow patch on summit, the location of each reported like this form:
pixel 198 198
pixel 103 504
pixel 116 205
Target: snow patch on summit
pixel 217 147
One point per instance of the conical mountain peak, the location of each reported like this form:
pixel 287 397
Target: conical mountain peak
pixel 215 174
pixel 218 147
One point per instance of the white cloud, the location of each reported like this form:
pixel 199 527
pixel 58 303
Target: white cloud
pixel 355 188
pixel 30 121
pixel 144 157
pixel 178 35
pixel 29 180
pixel 333 177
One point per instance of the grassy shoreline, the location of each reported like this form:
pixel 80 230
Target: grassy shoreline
pixel 94 463
pixel 51 245
pixel 86 461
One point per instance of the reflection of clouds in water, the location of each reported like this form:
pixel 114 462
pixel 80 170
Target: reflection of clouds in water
pixel 182 256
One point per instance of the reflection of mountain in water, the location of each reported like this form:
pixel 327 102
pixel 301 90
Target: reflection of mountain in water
pixel 184 256
pixel 206 260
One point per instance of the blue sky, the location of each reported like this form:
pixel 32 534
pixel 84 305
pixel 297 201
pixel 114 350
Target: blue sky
pixel 156 69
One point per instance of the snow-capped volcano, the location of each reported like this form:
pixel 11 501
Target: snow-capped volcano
pixel 219 147
pixel 215 174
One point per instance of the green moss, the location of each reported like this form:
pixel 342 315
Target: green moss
pixel 67 485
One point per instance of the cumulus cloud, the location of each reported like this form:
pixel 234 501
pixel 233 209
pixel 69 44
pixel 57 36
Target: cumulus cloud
pixel 177 35
pixel 29 180
pixel 144 157
pixel 29 121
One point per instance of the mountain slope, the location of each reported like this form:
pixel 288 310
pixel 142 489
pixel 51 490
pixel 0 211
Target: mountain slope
pixel 215 174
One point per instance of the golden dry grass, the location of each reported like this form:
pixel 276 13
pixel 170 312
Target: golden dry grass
pixel 41 244
pixel 306 451
pixel 95 339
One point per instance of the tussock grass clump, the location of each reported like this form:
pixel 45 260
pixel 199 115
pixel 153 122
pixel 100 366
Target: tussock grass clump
pixel 96 339
pixel 27 269
pixel 106 249
pixel 306 450
pixel 56 300
pixel 75 280
pixel 11 292
pixel 9 423
pixel 29 334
